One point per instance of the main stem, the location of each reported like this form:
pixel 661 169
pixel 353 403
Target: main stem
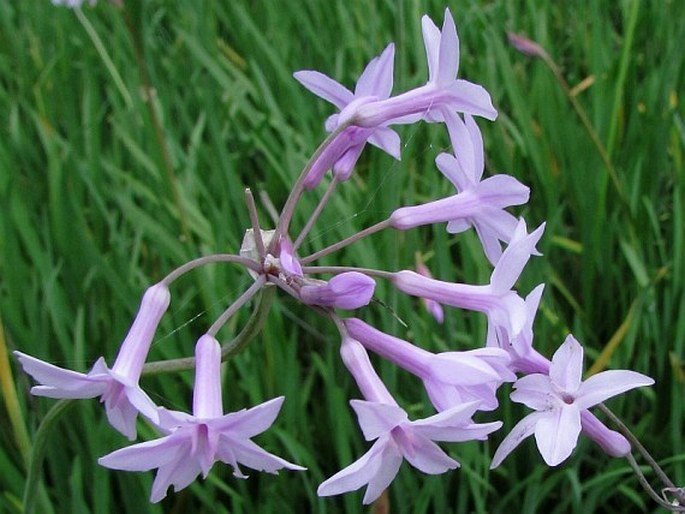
pixel 297 190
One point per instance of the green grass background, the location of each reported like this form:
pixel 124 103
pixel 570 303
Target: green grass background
pixel 89 218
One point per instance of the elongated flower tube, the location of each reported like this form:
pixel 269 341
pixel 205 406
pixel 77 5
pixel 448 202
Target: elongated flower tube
pixel 194 443
pixel 507 313
pixel 443 91
pixel 480 206
pixel 560 399
pixel 375 83
pixel 396 437
pixel 450 378
pixel 349 290
pixel 117 387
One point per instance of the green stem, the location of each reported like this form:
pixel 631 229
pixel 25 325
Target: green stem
pixel 38 453
pixel 298 188
pixel 381 225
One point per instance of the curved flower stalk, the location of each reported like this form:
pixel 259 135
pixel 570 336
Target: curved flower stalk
pixel 194 443
pixel 559 400
pixel 375 83
pixel 117 387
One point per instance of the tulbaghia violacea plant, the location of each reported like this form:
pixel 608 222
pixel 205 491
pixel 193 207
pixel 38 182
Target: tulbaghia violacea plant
pixel 459 383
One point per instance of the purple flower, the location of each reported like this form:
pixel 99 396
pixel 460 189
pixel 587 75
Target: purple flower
pixel 508 315
pixel 397 438
pixel 195 442
pixel 451 378
pixel 443 91
pixel 288 259
pixel 479 203
pixel 560 399
pixel 349 290
pixel 117 387
pixel 375 83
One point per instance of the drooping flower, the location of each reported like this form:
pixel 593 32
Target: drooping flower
pixel 375 83
pixel 117 387
pixel 561 401
pixel 398 438
pixel 349 290
pixel 194 443
pixel 443 91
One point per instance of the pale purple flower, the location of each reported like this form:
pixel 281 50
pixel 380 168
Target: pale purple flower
pixel 450 378
pixel 375 83
pixel 433 307
pixel 117 387
pixel 560 399
pixel 508 315
pixel 443 91
pixel 194 443
pixel 488 197
pixel 349 290
pixel 398 438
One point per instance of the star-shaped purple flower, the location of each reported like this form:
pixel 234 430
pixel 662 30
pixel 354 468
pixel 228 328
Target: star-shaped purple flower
pixel 117 387
pixel 560 400
pixel 397 438
pixel 195 442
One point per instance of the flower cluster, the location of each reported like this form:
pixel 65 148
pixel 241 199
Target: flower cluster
pixel 459 384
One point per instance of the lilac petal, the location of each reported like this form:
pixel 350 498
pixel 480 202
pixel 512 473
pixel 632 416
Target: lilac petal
pixel 456 170
pixel 145 456
pixel 325 87
pixel 376 419
pixel 607 384
pixel 502 191
pixel 455 425
pixel 358 473
pixel 343 167
pixel 476 139
pixel 251 455
pixel 610 441
pixel 390 462
pixel 459 225
pixel 248 423
pixel 143 403
pixel 514 259
pixel 179 473
pixel 521 430
pixel 534 391
pixel 57 382
pixel 121 414
pixel 376 80
pixel 448 56
pixel 427 456
pixel 471 98
pixel 431 41
pixel 566 370
pixel 461 368
pixel 556 433
pixel 387 140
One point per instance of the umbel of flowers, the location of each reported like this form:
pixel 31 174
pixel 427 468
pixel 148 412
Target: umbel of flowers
pixel 459 384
